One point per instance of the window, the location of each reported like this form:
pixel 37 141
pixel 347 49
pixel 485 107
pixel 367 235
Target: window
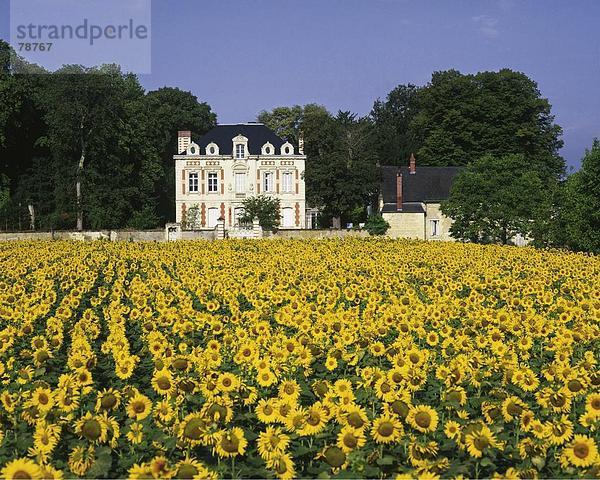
pixel 435 228
pixel 286 182
pixel 240 151
pixel 212 150
pixel 240 182
pixel 268 150
pixel 193 182
pixel 268 182
pixel 213 183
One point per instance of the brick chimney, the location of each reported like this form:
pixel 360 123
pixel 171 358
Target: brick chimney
pixel 301 143
pixel 183 141
pixel 398 191
pixel 412 168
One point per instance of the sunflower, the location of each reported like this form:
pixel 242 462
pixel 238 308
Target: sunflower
pixel 480 440
pixel 42 399
pixel 386 429
pixel 108 399
pixel 162 382
pixel 350 439
pixel 283 466
pixel 289 389
pixel 512 408
pixel 266 378
pixel 295 420
pixel 334 456
pixel 92 428
pixel 592 405
pixel 139 407
pixel 190 468
pixel 227 382
pixel 159 467
pixel 21 468
pixel 560 430
pixel 81 459
pixel 354 416
pixel 272 442
pixel 452 429
pixel 193 429
pixel 422 418
pixel 51 473
pixel 385 390
pixel 265 410
pixel 164 412
pixel 315 420
pixel 455 396
pixel 231 443
pixel 136 433
pixel 46 437
pixel 582 451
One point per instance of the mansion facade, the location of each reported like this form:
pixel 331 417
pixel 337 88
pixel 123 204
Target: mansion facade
pixel 232 162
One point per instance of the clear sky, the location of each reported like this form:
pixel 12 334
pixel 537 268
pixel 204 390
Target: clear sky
pixel 242 56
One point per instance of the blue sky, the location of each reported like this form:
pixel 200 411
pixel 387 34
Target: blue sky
pixel 242 56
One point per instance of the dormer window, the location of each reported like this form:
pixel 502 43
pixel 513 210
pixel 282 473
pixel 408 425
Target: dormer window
pixel 193 149
pixel 287 149
pixel 268 149
pixel 212 149
pixel 240 151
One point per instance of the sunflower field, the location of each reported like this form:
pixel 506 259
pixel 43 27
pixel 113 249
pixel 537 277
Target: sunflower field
pixel 367 358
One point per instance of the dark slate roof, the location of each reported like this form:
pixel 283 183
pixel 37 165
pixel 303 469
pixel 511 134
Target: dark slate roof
pixel 256 133
pixel 428 184
pixel 406 207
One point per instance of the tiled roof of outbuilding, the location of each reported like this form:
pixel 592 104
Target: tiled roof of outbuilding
pixel 427 184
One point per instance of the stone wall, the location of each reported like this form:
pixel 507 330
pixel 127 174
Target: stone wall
pixel 284 233
pixel 405 225
pixel 433 212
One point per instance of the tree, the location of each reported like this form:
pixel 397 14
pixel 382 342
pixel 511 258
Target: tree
pixel 576 224
pixel 85 110
pixel 263 207
pixel 461 118
pixel 496 198
pixel 4 192
pixel 394 139
pixel 342 173
pixel 290 122
pixel 157 117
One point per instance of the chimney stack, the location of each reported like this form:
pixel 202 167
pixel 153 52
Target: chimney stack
pixel 413 164
pixel 301 143
pixel 399 191
pixel 183 141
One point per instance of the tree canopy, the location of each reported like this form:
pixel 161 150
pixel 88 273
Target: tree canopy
pixel 496 198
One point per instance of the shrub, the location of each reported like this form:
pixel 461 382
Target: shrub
pixel 376 225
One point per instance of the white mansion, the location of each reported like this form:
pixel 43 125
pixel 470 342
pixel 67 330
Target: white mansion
pixel 232 162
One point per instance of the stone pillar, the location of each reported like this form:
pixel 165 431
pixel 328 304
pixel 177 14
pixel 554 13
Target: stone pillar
pixel 220 228
pixel 256 228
